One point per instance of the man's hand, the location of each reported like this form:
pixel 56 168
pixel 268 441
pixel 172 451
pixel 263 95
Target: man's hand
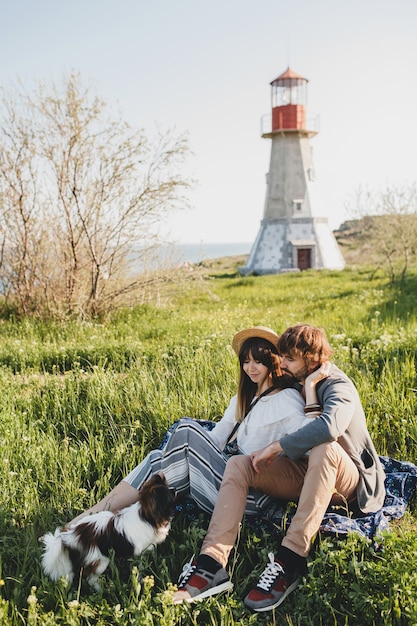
pixel 319 374
pixel 265 456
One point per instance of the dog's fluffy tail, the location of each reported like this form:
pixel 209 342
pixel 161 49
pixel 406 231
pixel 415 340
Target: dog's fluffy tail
pixel 55 558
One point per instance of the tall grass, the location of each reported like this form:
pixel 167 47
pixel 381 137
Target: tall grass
pixel 82 404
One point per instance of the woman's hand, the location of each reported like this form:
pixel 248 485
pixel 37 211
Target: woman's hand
pixel 265 456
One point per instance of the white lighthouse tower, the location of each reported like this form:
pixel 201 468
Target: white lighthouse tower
pixel 290 237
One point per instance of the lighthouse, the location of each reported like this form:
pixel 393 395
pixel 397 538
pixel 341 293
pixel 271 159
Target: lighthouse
pixel 291 237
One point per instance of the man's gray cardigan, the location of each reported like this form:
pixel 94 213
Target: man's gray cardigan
pixel 343 420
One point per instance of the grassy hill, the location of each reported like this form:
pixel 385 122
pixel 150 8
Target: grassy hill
pixel 82 403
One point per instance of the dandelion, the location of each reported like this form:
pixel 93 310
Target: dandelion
pixel 73 604
pixel 149 581
pixel 386 339
pixel 32 599
pixel 167 596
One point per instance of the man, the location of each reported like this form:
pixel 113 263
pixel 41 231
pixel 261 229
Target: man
pixel 330 460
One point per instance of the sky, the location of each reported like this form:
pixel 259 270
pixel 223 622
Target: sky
pixel 204 67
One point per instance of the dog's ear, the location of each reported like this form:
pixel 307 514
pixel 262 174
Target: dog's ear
pixel 157 501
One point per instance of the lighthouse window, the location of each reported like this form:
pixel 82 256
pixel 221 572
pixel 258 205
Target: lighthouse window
pixel 284 96
pixel 289 91
pixel 298 205
pixel 295 94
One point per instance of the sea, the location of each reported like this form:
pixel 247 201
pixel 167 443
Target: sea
pixel 177 255
pixel 194 253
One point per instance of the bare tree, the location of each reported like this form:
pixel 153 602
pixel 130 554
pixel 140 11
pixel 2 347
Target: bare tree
pixel 387 225
pixel 81 194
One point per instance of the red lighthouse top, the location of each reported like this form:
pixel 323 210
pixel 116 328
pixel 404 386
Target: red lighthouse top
pixel 289 99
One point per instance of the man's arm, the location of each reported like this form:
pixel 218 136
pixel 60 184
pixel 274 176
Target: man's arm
pixel 339 401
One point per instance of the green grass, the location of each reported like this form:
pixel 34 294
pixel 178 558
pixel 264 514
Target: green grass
pixel 82 403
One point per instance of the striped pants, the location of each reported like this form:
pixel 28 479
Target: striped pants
pixel 193 465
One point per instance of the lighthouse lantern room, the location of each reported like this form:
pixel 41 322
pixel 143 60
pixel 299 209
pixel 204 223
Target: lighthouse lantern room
pixel 291 238
pixel 288 99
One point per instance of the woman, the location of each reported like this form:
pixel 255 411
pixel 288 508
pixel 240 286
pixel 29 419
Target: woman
pixel 193 459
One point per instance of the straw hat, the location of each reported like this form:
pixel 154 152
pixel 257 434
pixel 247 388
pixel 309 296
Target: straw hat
pixel 257 331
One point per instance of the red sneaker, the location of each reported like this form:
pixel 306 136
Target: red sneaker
pixel 273 587
pixel 196 583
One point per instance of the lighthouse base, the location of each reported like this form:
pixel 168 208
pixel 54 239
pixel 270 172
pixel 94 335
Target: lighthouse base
pixel 287 245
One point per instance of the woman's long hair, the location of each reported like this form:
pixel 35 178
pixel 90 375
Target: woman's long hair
pixel 266 353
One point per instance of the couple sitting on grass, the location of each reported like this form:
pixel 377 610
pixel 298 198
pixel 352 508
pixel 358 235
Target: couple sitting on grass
pixel 296 431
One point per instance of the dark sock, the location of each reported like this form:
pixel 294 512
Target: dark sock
pixel 292 562
pixel 208 563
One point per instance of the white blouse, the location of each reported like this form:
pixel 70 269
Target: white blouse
pixel 272 417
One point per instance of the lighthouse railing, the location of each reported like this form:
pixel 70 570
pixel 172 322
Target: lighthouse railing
pixel 312 124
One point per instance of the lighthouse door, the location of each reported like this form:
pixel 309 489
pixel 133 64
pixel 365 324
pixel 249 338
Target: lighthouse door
pixel 304 258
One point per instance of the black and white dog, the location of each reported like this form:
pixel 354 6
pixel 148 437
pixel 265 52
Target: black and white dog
pixel 84 547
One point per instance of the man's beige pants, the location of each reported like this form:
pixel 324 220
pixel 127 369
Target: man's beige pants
pixel 327 475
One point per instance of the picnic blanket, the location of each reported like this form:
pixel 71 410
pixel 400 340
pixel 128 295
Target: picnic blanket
pixel 400 484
